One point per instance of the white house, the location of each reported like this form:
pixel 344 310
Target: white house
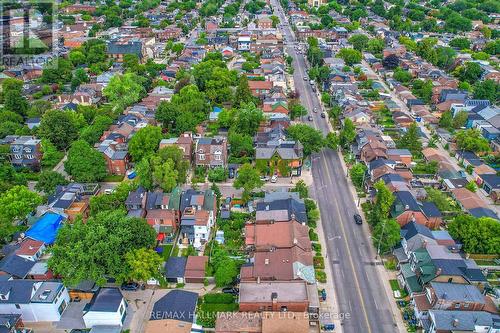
pixel 35 301
pixel 244 43
pixel 108 307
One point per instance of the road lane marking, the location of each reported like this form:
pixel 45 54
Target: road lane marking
pixel 356 281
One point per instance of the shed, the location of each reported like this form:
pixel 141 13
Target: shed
pixel 195 269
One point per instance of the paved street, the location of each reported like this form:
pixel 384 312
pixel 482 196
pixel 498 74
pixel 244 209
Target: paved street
pixel 359 288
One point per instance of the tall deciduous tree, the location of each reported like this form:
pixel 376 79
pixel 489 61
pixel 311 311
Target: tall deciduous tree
pixel 479 235
pixel 249 179
pixel 13 99
pixel 59 127
pixel 84 163
pixel 49 180
pixel 243 93
pixel 411 140
pixel 96 249
pixel 124 90
pixel 144 142
pixel 386 235
pixel 383 202
pixel 143 264
pixel 471 140
pixel 311 139
pixel 350 56
pixel 15 204
pixel 348 133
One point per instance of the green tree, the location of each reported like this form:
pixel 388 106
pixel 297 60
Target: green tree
pixel 411 140
pixel 460 43
pixel 143 264
pixel 79 77
pixel 386 235
pixel 48 181
pixel 57 71
pixel 460 119
pixel 13 99
pixel 359 42
pixel 311 139
pixel 383 203
pixel 402 76
pixel 471 140
pixel 301 188
pixel 124 90
pixel 249 179
pixel 471 186
pixel 114 201
pixel 478 235
pixel 487 89
pixel 297 110
pixel 243 94
pixel 376 45
pixel 446 120
pixel 241 145
pixel 357 173
pixel 332 141
pixel 59 127
pixel 350 56
pixel 144 142
pixel 175 154
pixel 165 175
pixel 15 204
pixel 439 198
pixel 348 133
pixel 84 163
pixel 470 72
pixel 96 249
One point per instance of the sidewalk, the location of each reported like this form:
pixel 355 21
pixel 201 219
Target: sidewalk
pixel 330 306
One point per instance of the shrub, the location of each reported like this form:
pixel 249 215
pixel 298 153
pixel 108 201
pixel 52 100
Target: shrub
pixel 218 298
pixel 313 235
pixel 320 276
pixel 316 247
pixel 218 174
pixel 319 262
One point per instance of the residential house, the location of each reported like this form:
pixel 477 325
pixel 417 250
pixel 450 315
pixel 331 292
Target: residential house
pixel 174 312
pixel 136 202
pixel 277 296
pixel 117 49
pixel 195 227
pixel 472 203
pixel 281 210
pixel 283 264
pixel 265 23
pixel 175 268
pixel 11 323
pixel 406 209
pixel 35 301
pixel 195 269
pixel 248 322
pixel 275 154
pixel 25 152
pixel 260 88
pixel 211 152
pixel 373 149
pixel 282 235
pixel 400 156
pixel 414 236
pixel 107 307
pixel 184 142
pixel 491 185
pixel 443 321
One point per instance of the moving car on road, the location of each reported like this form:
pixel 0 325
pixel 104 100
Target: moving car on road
pixel 358 219
pixel 274 179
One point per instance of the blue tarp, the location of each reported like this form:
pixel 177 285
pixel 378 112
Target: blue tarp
pixel 45 229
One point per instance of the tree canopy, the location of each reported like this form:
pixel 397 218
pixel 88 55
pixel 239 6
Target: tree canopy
pixel 84 163
pixel 248 178
pixel 97 249
pixel 311 139
pixel 479 235
pixel 144 142
pixel 471 140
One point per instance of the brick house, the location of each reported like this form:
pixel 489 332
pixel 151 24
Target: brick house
pixel 117 49
pixel 116 156
pixel 184 142
pixel 195 269
pixel 274 296
pixel 406 209
pixel 211 152
pixel 260 88
pixel 265 23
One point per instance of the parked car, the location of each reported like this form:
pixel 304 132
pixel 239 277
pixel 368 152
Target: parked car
pixel 310 118
pixel 231 290
pixel 264 178
pixel 109 191
pixel 323 115
pixel 315 109
pixel 274 179
pixel 130 286
pixel 358 219
pixel 305 77
pixel 231 173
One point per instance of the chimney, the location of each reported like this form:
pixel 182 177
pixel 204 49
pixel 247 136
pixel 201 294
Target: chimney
pixel 407 207
pixel 267 207
pixel 438 272
pixel 424 243
pixel 266 261
pixel 295 241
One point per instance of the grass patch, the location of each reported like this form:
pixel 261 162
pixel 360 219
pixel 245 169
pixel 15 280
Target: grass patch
pixel 395 287
pixel 113 178
pixel 211 304
pixel 166 251
pixel 390 265
pixel 175 252
pixel 189 251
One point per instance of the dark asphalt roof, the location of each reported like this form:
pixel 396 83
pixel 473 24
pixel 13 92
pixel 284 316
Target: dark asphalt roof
pixel 380 162
pixel 177 304
pixel 19 291
pixel 407 199
pixel 175 267
pixel 413 228
pixel 493 181
pixel 16 265
pixel 430 209
pixel 483 212
pixel 106 300
pixel 293 206
pixel 135 197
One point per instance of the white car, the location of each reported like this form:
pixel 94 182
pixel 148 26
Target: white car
pixel 264 178
pixel 109 191
pixel 274 179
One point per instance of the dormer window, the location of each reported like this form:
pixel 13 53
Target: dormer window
pixel 27 149
pixel 217 155
pixel 201 157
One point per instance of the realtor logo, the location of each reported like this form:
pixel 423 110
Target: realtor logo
pixel 27 32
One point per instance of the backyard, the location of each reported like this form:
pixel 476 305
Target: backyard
pixel 210 304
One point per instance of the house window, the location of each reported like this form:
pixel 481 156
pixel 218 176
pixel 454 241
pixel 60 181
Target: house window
pixel 284 309
pixel 466 305
pixel 218 155
pixel 18 157
pixel 201 157
pixel 121 309
pixel 29 157
pixel 457 305
pixel 61 307
pixel 18 306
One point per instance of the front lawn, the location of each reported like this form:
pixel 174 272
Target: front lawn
pixel 167 248
pixel 395 287
pixel 113 178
